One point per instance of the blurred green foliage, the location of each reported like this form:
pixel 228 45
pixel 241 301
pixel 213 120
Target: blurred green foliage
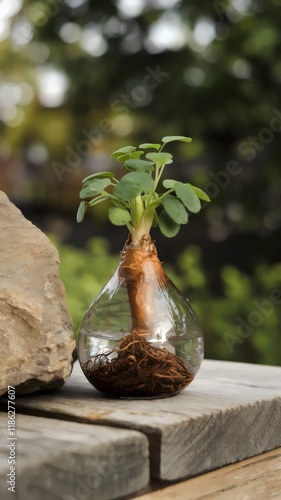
pixel 82 78
pixel 84 272
pixel 243 324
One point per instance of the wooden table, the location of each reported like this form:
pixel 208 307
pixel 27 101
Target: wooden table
pixel 76 444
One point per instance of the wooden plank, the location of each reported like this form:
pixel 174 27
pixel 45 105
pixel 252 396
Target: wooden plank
pixel 230 412
pixel 69 461
pixel 254 478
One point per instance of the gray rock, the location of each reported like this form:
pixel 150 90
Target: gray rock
pixel 36 337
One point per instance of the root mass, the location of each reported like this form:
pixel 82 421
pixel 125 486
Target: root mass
pixel 140 370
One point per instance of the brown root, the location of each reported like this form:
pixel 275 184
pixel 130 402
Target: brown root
pixel 142 272
pixel 139 371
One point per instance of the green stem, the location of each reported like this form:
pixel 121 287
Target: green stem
pixel 143 209
pixel 142 219
pixel 107 196
pixel 157 176
pixel 165 194
pixel 98 199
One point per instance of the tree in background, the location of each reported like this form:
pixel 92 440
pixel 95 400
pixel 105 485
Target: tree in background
pixel 78 77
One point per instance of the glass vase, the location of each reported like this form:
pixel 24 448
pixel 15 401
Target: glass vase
pixel 140 338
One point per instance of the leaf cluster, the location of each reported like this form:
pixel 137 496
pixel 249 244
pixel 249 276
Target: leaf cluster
pixel 137 199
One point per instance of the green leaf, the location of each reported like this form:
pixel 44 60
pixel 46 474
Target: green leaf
pixel 119 216
pixel 94 188
pixel 175 209
pixel 123 157
pixel 201 194
pixel 188 197
pixel 100 175
pixel 169 183
pixel 171 138
pixel 136 154
pixel 155 220
pixel 81 211
pixel 167 226
pixel 119 152
pixel 162 158
pixel 133 154
pixel 148 145
pixel 140 165
pixel 133 184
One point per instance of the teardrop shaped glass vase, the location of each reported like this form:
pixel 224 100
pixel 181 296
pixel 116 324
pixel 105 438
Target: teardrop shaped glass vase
pixel 140 338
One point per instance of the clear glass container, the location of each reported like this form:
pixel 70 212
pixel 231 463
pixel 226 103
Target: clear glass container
pixel 127 357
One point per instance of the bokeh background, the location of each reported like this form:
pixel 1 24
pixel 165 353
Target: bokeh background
pixel 80 78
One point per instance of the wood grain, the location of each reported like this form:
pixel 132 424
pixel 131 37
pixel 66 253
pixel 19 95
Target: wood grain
pixel 58 460
pixel 253 479
pixel 230 412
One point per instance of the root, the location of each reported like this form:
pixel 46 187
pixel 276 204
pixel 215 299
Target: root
pixel 140 370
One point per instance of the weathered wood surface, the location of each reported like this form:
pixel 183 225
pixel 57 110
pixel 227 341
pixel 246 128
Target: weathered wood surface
pixel 59 460
pixel 253 479
pixel 230 412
